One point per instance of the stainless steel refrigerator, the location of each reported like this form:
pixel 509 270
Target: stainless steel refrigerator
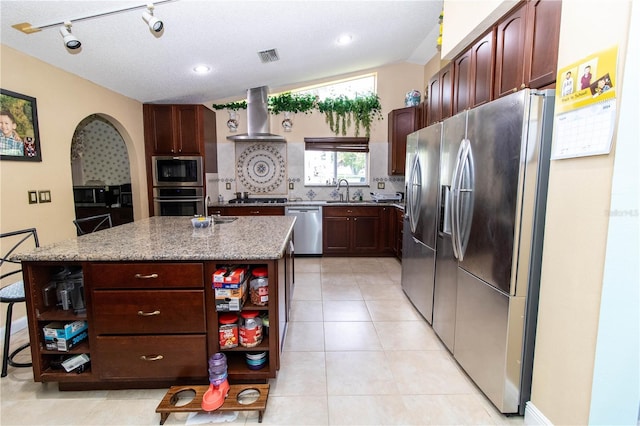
pixel 497 210
pixel 454 130
pixel 421 213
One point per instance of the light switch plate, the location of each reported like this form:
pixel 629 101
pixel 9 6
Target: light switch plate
pixel 380 185
pixel 33 197
pixel 290 185
pixel 44 196
pixel 228 185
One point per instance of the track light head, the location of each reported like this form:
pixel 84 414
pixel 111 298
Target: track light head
pixel 154 23
pixel 70 41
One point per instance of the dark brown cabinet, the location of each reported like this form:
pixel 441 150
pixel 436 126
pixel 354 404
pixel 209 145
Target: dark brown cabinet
pixel 462 82
pixel 440 95
pixel 510 52
pixel 543 37
pixel 401 122
pixel 399 230
pixel 527 47
pixel 150 324
pixel 388 229
pixel 482 69
pixel 177 129
pixel 352 231
pixel 473 71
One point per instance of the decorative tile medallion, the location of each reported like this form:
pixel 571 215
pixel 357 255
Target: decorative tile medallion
pixel 261 167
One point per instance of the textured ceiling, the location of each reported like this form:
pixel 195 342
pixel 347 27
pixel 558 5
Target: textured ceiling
pixel 119 51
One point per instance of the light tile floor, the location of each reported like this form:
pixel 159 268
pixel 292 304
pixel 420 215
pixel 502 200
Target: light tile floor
pixel 356 353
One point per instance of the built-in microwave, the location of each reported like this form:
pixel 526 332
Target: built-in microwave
pixel 90 196
pixel 177 171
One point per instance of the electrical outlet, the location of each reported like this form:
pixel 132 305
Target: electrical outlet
pixel 33 197
pixel 228 185
pixel 44 196
pixel 380 185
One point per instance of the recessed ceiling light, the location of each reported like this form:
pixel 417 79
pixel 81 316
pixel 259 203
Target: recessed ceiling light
pixel 202 69
pixel 344 39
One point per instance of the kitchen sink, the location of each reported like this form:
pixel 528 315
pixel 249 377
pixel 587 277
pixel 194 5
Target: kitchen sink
pixel 224 219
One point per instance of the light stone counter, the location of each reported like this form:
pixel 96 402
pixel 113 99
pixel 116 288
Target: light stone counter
pixel 173 238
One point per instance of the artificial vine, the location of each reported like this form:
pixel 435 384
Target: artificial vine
pixel 340 112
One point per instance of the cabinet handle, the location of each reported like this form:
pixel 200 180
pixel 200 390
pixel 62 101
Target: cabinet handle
pixel 255 212
pixel 151 357
pixel 146 277
pixel 148 314
pixel 349 211
pixel 355 218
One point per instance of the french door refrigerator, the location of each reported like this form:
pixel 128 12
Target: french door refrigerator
pixel 421 212
pixel 454 130
pixel 497 208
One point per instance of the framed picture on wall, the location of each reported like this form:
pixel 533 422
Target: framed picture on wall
pixel 19 135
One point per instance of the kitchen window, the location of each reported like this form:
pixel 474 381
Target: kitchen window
pixel 327 160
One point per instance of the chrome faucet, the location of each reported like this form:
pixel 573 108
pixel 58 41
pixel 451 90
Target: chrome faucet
pixel 338 188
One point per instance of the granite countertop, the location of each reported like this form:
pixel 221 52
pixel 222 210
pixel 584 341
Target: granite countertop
pixel 166 238
pixel 291 203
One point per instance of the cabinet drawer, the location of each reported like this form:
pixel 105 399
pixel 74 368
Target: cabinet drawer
pixel 152 357
pixel 146 275
pixel 148 311
pixel 351 211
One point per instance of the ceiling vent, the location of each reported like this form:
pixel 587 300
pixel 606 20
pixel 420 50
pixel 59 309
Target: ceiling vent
pixel 268 56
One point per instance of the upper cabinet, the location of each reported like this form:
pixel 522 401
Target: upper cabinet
pixel 401 122
pixel 518 51
pixel 543 37
pixel 440 95
pixel 510 53
pixel 178 129
pixel 527 47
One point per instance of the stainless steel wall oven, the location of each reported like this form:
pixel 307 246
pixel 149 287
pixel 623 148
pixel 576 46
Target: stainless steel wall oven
pixel 178 201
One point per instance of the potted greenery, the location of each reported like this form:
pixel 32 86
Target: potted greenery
pixel 292 102
pixel 233 106
pixel 341 111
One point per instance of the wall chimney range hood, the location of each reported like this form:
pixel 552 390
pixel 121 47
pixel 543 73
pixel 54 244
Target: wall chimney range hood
pixel 257 119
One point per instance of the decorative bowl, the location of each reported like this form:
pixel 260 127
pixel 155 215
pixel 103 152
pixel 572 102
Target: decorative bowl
pixel 201 222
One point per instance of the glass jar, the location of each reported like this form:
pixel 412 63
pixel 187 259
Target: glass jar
pixel 259 287
pixel 228 331
pixel 250 329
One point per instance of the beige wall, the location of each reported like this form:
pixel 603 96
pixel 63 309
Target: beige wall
pixel 63 100
pixel 575 239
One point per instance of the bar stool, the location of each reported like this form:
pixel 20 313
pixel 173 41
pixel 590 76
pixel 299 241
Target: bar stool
pixel 88 225
pixel 13 293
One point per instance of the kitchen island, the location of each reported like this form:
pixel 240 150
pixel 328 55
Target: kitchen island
pixel 148 301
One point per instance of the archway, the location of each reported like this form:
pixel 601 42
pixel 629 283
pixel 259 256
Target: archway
pixel 100 170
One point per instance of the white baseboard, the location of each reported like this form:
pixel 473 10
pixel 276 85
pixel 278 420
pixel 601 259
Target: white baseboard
pixel 16 326
pixel 534 417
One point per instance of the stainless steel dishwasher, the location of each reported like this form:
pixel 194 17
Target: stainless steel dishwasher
pixel 307 231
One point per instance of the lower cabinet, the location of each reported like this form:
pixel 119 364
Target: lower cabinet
pixel 170 357
pixel 353 231
pixel 149 324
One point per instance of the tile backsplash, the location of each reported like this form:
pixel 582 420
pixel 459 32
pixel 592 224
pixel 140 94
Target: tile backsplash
pixel 266 168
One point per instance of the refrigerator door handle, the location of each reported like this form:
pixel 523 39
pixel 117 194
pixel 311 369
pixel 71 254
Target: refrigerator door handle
pixel 413 194
pixel 465 212
pixel 453 203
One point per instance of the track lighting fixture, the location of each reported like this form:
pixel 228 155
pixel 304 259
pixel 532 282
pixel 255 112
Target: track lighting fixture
pixel 70 41
pixel 154 23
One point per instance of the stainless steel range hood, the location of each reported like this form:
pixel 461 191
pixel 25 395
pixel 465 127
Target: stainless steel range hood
pixel 257 119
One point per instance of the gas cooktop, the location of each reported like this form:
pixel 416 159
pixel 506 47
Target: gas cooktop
pixel 258 200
